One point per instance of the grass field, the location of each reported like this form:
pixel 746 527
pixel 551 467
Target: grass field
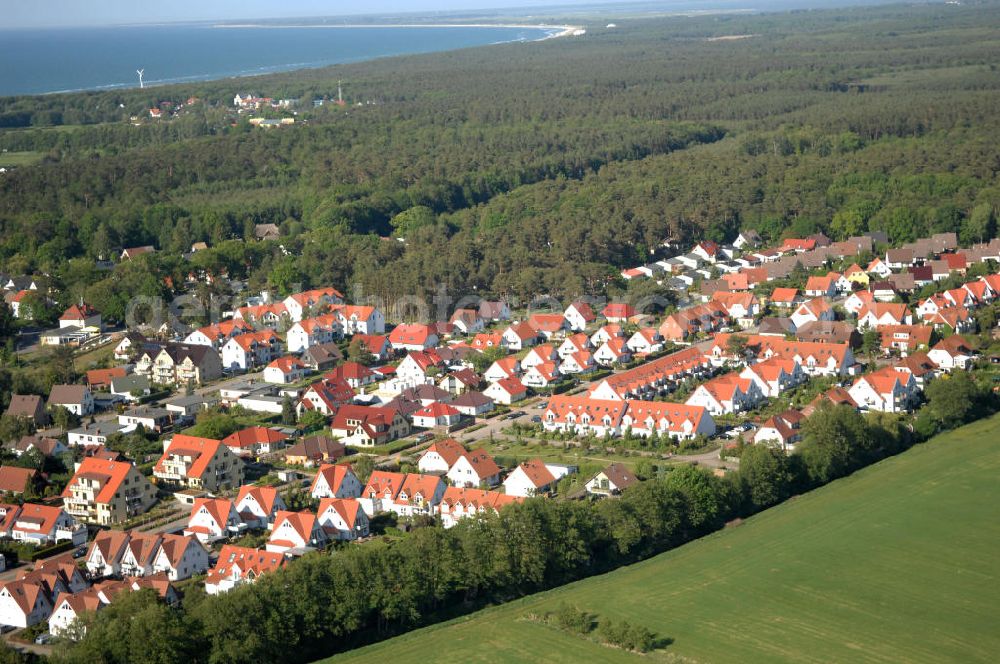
pixel 897 563
pixel 15 159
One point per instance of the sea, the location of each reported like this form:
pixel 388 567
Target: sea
pixel 75 59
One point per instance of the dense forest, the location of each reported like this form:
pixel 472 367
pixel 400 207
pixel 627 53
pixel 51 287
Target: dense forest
pixel 521 169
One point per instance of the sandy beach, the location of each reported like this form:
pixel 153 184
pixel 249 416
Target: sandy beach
pixel 563 30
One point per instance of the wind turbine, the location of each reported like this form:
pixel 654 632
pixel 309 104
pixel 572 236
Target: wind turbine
pixel 139 72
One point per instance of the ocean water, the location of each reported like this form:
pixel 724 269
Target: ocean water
pixel 43 61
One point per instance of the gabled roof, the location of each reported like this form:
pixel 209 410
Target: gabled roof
pixel 333 474
pixel 201 450
pixel 347 508
pixel 265 496
pixel 620 475
pixel 450 450
pixel 110 474
pixel 217 508
pixel 537 474
pixel 252 436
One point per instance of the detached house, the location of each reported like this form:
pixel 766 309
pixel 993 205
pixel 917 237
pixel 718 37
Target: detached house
pixel 611 481
pixel 335 481
pixel 294 532
pixel 534 478
pixel 952 352
pixel 812 311
pixel 413 337
pixel 77 399
pixel 506 391
pixel 467 321
pixel 212 519
pixel 519 336
pixel 342 519
pixel 258 505
pixel 579 316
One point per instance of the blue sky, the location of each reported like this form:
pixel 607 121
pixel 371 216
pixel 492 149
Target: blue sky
pixel 62 13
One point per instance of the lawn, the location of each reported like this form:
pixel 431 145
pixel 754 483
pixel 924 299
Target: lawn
pixel 896 563
pixel 16 159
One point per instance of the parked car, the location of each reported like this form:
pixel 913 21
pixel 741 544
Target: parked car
pixel 536 419
pixel 43 639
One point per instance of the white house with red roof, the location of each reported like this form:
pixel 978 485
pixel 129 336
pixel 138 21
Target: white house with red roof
pixel 335 481
pixel 618 312
pixel 413 337
pixel 437 414
pixel 539 355
pixel 311 332
pixel 726 394
pixel 541 375
pixel 886 390
pixel 294 532
pixel 317 300
pixel 579 315
pixel 506 391
pixel 579 362
pixel 80 315
pixel 342 519
pixel 879 314
pixel 251 350
pixel 41 524
pixel 414 367
pixel 777 431
pixel 707 251
pixel 285 370
pixel 613 351
pixel 821 286
pixel 212 519
pixel 605 334
pixel 24 603
pixel 858 300
pixel 813 310
pixel 644 341
pixel 474 468
pixel 440 456
pixel 459 503
pixel 572 344
pixel 405 494
pixel 359 319
pixel 775 375
pixel 467 321
pixel 254 441
pixel 325 397
pixel 258 505
pixel 534 478
pixel 505 367
pixel 519 336
pixel 239 565
pixel 952 352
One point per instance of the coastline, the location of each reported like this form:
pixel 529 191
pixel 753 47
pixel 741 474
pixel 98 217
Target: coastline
pixel 563 30
pixel 545 32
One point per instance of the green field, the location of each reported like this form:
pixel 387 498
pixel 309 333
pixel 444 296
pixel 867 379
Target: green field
pixel 896 563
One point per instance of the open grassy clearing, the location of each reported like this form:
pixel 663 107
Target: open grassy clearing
pixel 896 563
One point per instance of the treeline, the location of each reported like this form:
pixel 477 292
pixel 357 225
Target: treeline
pixel 546 174
pixel 323 604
